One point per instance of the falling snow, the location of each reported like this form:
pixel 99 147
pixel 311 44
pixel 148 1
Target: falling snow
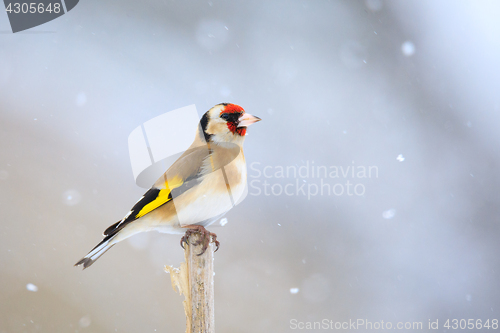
pixel 72 197
pixel 408 48
pixel 84 321
pixel 389 214
pixel 31 287
pixel 81 99
pixel 212 34
pixel 353 54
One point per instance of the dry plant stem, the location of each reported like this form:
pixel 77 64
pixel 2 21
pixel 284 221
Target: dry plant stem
pixel 195 280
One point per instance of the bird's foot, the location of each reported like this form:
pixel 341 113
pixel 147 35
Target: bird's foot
pixel 205 237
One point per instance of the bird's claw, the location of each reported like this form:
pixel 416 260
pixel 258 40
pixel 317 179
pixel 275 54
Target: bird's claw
pixel 205 238
pixel 185 238
pixel 214 239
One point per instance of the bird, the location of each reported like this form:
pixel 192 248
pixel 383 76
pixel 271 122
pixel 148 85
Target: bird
pixel 200 187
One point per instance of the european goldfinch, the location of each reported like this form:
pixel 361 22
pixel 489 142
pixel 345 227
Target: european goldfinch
pixel 198 189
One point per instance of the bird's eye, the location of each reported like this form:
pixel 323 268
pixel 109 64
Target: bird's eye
pixel 231 117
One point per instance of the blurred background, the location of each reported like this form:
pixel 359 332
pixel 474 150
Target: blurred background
pixel 411 88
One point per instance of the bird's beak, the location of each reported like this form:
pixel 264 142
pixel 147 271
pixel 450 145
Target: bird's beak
pixel 247 119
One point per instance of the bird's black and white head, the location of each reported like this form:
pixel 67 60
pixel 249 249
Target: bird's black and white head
pixel 226 123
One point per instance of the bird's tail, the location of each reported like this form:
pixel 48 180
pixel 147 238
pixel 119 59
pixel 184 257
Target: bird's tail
pixel 97 251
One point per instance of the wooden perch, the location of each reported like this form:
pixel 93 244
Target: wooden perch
pixel 195 280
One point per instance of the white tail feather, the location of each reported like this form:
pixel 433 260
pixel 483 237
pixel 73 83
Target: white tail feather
pixel 96 252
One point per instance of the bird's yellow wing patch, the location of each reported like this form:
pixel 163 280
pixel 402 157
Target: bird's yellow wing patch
pixel 162 197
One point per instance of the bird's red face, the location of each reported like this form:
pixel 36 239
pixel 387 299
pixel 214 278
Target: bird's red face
pixel 226 123
pixel 236 119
